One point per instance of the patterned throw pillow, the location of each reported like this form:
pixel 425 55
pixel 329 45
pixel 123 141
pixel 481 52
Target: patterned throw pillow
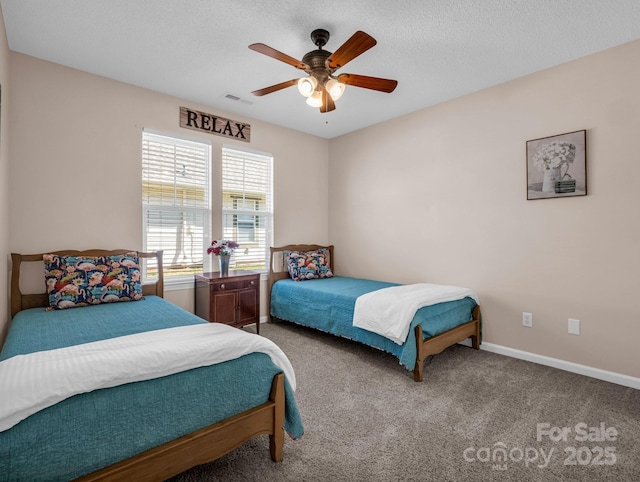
pixel 304 265
pixel 87 280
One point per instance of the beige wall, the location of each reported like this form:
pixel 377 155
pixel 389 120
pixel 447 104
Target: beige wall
pixel 76 162
pixel 440 196
pixel 4 179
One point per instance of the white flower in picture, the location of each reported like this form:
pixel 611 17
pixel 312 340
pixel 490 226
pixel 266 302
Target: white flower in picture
pixel 554 155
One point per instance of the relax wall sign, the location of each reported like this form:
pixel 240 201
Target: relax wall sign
pixel 213 124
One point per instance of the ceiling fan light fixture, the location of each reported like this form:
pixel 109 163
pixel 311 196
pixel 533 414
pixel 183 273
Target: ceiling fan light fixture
pixel 315 99
pixel 335 88
pixel 307 85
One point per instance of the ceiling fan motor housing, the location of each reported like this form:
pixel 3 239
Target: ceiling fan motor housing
pixel 317 62
pixel 317 59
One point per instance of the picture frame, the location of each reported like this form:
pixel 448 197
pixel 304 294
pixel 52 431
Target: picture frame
pixel 557 166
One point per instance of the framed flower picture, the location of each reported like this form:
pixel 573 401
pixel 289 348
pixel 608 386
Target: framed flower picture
pixel 557 166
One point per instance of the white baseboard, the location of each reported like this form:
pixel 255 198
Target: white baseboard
pixel 617 378
pixel 612 377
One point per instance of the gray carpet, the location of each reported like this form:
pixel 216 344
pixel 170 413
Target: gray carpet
pixel 366 419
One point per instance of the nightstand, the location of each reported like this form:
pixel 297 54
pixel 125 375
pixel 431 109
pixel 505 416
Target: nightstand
pixel 233 300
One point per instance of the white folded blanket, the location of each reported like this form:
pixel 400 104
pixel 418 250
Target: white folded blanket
pixel 389 311
pixel 32 382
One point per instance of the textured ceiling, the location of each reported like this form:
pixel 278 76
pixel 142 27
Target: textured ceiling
pixel 197 49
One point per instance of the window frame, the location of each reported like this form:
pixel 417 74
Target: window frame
pixel 185 281
pixel 257 214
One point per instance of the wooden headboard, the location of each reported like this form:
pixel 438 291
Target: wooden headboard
pixel 278 269
pixel 21 301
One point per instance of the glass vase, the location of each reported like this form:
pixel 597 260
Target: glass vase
pixel 224 264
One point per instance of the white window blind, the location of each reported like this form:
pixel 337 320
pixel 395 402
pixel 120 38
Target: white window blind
pixel 247 206
pixel 176 204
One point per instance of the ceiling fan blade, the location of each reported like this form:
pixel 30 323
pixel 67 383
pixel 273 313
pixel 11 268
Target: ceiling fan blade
pixel 327 102
pixel 359 43
pixel 274 88
pixel 366 82
pixel 270 52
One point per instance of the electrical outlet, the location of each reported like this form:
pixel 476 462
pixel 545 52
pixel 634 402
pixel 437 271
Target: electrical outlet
pixel 574 326
pixel 527 319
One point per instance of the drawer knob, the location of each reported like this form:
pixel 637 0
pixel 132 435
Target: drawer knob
pixel 252 283
pixel 222 286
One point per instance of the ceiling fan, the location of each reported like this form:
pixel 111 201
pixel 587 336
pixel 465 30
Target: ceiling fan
pixel 321 87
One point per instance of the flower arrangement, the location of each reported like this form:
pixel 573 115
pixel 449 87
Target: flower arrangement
pixel 554 155
pixel 222 247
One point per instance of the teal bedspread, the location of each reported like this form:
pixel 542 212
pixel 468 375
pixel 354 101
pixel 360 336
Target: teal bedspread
pixel 327 304
pixel 92 430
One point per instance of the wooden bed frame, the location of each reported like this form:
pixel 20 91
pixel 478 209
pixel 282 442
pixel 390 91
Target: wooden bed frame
pixel 424 348
pixel 199 447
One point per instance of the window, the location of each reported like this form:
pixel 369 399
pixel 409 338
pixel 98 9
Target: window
pixel 176 204
pixel 247 206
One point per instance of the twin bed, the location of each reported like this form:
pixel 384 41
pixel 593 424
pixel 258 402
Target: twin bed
pixel 144 429
pixel 329 304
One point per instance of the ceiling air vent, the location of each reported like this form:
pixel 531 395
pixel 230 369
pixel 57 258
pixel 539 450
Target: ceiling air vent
pixel 235 98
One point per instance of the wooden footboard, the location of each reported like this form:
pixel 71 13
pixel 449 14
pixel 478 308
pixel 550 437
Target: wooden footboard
pixel 206 444
pixel 438 343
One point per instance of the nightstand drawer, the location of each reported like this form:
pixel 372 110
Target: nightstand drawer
pixel 233 285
